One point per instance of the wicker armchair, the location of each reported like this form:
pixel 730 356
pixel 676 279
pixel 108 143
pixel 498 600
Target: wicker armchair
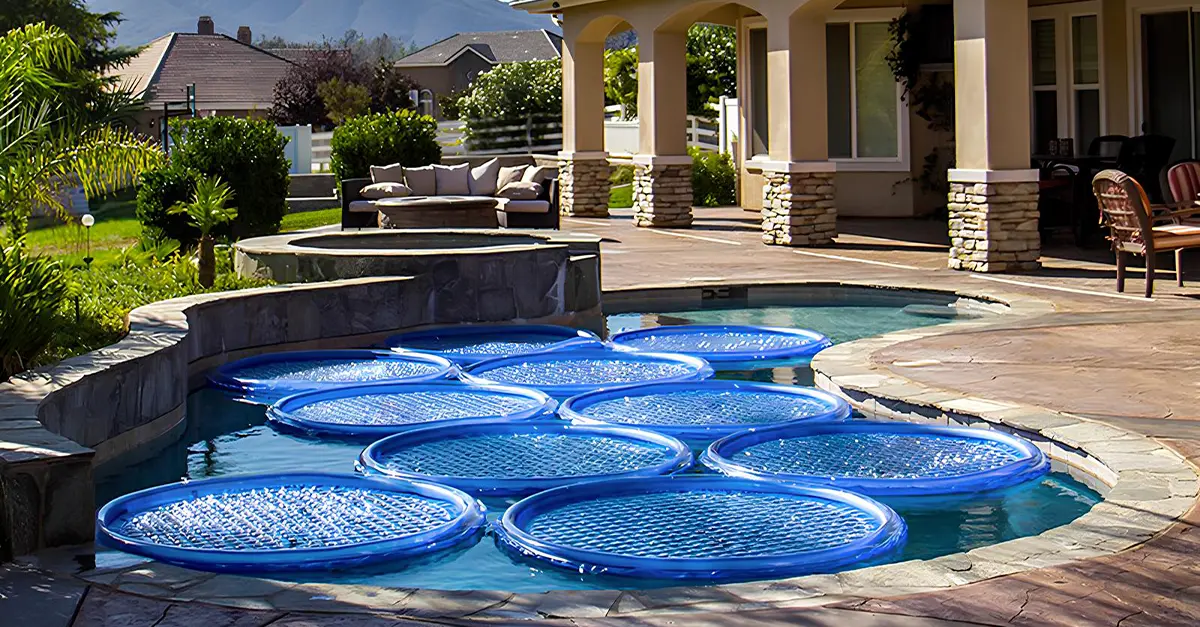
pixel 1134 228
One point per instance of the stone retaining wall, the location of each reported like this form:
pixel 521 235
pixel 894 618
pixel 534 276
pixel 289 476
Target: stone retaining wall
pixel 55 422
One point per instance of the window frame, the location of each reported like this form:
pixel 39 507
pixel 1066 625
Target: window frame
pixel 902 161
pixel 1064 57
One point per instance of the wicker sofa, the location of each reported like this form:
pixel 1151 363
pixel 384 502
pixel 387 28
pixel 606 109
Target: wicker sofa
pixel 540 213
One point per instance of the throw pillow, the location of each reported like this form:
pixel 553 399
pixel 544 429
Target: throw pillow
pixel 539 174
pixel 520 191
pixel 379 191
pixel 422 181
pixel 387 173
pixel 484 178
pixel 510 175
pixel 453 180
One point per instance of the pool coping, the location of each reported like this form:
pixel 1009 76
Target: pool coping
pixel 1146 486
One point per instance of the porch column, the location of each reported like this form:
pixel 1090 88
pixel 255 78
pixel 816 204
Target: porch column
pixel 662 181
pixel 798 200
pixel 583 164
pixel 993 191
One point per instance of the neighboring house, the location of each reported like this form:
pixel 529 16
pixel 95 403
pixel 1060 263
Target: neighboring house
pixel 232 76
pixel 449 66
pixel 819 102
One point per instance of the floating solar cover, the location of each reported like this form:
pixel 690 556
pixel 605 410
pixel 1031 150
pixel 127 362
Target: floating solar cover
pixel 728 347
pixel 704 410
pixel 289 522
pixel 383 409
pixel 707 528
pixel 517 459
pixel 881 458
pixel 273 376
pixel 468 344
pixel 562 374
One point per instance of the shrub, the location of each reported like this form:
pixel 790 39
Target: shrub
pixel 382 139
pixel 246 154
pixel 160 190
pixel 343 100
pixel 32 291
pixel 714 179
pixel 527 95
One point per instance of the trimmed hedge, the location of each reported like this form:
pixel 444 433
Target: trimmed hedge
pixel 383 139
pixel 246 154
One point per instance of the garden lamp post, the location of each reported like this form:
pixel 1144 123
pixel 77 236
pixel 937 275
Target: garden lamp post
pixel 88 220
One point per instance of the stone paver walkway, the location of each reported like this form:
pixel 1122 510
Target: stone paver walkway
pixel 1114 358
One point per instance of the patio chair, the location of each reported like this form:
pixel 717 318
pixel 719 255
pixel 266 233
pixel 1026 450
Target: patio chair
pixel 1107 146
pixel 1133 229
pixel 1144 157
pixel 1181 184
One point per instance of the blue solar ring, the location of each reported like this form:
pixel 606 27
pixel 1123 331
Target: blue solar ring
pixel 705 410
pixel 289 522
pixel 384 409
pixel 712 529
pixel 563 374
pixel 881 458
pixel 501 459
pixel 269 377
pixel 727 347
pixel 469 344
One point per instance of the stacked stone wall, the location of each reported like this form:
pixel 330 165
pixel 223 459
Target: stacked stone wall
pixel 662 195
pixel 799 209
pixel 994 227
pixel 584 187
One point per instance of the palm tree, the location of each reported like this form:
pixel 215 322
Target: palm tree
pixel 48 143
pixel 208 211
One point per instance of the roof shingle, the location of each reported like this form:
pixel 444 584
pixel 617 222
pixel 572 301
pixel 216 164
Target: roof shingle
pixel 229 75
pixel 508 46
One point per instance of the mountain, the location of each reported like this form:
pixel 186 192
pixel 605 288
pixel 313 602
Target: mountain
pixel 420 21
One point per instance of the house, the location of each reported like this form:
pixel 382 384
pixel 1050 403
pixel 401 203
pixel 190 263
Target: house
pixel 232 76
pixel 826 131
pixel 448 66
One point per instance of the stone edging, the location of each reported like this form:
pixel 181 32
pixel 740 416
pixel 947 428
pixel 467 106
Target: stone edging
pixel 1148 487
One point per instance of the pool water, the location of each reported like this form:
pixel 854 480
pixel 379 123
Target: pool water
pixel 233 438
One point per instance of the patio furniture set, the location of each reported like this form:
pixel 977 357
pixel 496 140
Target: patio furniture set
pixel 488 195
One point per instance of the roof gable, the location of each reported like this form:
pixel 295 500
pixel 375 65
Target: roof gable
pixel 496 47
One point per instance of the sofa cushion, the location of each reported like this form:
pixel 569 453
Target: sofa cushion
pixel 484 178
pixel 363 206
pixel 510 175
pixel 453 180
pixel 387 173
pixel 520 191
pixel 527 206
pixel 436 202
pixel 375 191
pixel 539 174
pixel 422 181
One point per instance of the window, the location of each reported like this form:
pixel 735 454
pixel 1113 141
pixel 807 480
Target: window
pixel 1044 40
pixel 864 102
pixel 1085 79
pixel 759 114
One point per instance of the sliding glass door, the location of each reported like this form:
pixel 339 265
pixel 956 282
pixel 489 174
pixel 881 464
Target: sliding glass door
pixel 1170 45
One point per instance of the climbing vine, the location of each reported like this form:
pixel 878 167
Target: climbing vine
pixel 929 95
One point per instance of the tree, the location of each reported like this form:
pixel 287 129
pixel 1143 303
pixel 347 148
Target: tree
pixel 514 91
pixel 45 143
pixel 343 100
pixel 711 70
pixel 621 81
pixel 297 95
pixel 206 212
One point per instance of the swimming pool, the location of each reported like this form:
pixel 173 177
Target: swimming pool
pixel 226 437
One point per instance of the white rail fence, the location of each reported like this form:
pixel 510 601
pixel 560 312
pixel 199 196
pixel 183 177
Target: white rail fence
pixel 544 135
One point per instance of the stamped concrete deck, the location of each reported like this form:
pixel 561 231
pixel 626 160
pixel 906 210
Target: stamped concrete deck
pixel 1112 358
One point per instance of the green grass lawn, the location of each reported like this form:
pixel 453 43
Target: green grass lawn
pixel 310 219
pixel 621 197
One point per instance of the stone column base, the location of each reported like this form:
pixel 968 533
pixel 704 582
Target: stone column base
pixel 583 185
pixel 799 207
pixel 662 192
pixel 994 221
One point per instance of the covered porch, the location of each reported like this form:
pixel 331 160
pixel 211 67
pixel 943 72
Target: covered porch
pixel 826 129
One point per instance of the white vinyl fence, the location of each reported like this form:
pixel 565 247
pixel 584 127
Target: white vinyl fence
pixel 299 149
